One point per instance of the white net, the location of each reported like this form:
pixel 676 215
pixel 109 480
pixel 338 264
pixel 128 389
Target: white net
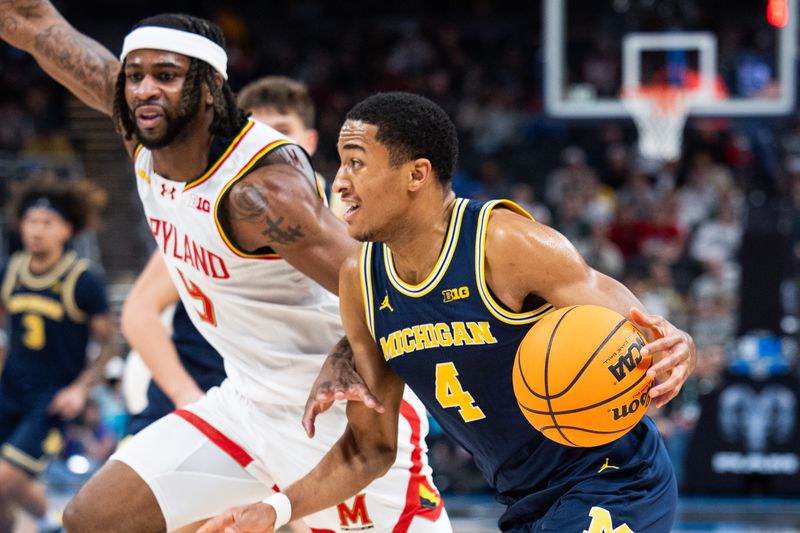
pixel 659 113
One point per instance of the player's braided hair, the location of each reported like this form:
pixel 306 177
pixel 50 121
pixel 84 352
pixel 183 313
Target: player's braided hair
pixel 80 201
pixel 411 127
pixel 228 118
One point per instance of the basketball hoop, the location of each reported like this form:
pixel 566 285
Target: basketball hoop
pixel 659 112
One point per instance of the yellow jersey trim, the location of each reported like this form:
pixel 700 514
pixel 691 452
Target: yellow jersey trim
pixel 136 151
pixel 27 302
pixel 17 456
pixel 366 286
pixel 228 151
pixel 68 294
pixel 44 281
pixel 439 270
pixel 261 153
pixel 491 304
pixel 12 273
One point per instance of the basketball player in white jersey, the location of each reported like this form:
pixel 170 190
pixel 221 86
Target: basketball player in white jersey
pixel 249 243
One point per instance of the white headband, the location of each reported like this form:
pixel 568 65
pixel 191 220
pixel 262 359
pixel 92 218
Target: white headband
pixel 180 42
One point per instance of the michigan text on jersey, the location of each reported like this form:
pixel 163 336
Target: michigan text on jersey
pixel 441 334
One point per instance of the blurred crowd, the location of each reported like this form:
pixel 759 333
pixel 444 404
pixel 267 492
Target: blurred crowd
pixel 674 232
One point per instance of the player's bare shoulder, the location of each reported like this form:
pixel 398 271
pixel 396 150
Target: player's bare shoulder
pixel 524 256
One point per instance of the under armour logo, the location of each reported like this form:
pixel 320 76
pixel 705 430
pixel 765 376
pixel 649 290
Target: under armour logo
pixel 170 191
pixel 385 304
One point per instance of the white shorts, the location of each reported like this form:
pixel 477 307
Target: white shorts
pixel 223 451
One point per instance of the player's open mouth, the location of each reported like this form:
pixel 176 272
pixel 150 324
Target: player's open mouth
pixel 350 209
pixel 148 116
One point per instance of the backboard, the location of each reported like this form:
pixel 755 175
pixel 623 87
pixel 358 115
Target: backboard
pixel 740 56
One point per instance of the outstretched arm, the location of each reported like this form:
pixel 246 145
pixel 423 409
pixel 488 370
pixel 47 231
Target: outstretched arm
pixel 152 293
pixel 524 258
pixel 78 62
pixel 368 446
pixel 276 206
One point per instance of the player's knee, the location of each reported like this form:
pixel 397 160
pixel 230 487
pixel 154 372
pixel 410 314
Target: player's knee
pixel 79 516
pixel 72 517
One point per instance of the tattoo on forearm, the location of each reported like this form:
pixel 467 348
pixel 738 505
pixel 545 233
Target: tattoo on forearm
pixel 342 350
pixel 13 10
pixel 248 204
pixel 275 233
pixel 79 56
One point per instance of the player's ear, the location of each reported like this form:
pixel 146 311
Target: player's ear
pixel 421 172
pixel 207 95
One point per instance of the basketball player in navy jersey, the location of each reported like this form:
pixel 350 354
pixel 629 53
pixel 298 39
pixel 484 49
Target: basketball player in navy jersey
pixel 255 254
pixel 54 305
pixel 440 297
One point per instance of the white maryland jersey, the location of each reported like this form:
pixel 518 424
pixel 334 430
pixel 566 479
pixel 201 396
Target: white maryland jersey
pixel 272 324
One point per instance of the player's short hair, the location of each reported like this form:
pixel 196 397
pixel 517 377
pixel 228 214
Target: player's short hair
pixel 281 93
pixel 411 127
pixel 228 118
pixel 79 202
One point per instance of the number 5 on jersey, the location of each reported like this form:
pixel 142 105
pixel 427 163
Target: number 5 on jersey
pixel 208 314
pixel 449 393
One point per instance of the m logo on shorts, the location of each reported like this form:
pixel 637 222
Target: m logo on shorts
pixel 601 523
pixel 355 518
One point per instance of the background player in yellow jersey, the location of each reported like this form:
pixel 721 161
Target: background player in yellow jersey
pixel 54 305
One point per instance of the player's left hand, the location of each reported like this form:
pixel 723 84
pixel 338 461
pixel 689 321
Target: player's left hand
pixel 253 518
pixel 69 401
pixel 674 355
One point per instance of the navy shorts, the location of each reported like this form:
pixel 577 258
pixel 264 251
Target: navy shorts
pixel 618 500
pixel 24 427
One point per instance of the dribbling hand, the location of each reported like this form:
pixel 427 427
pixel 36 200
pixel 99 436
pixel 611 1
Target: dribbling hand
pixel 674 355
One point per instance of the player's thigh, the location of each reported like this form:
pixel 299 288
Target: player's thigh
pixel 191 475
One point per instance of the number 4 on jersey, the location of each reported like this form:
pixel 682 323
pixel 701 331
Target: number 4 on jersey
pixel 208 314
pixel 449 393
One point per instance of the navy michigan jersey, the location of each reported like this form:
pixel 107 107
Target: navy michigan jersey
pixel 49 318
pixel 49 321
pixel 454 344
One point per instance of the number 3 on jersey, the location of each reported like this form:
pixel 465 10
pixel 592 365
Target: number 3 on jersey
pixel 208 314
pixel 449 393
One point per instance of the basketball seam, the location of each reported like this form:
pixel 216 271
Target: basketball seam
pixel 591 358
pixel 546 376
pixel 585 430
pixel 587 407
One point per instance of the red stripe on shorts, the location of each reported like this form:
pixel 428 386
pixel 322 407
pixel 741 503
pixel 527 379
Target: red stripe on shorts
pixel 225 444
pixel 413 505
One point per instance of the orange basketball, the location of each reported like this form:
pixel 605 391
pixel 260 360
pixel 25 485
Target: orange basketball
pixel 579 376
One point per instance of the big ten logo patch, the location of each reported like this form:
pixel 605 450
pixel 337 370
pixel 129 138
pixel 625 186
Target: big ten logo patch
pixel 451 295
pixel 602 523
pixel 355 518
pixel 199 203
pixel 620 365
